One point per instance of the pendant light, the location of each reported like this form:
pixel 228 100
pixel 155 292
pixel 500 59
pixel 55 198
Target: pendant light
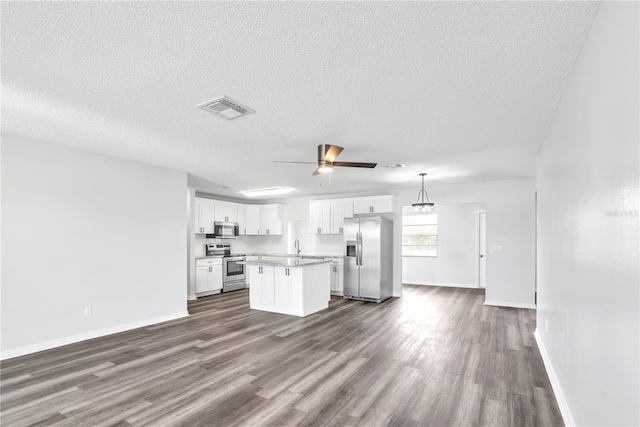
pixel 420 205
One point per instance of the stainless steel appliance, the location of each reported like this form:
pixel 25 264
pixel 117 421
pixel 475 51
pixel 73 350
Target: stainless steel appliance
pixel 368 264
pixel 218 249
pixel 233 273
pixel 225 230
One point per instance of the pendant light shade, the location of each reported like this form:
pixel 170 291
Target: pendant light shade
pixel 422 205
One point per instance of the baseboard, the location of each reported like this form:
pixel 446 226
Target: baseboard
pixel 34 348
pixel 510 304
pixel 192 298
pixel 555 384
pixel 447 285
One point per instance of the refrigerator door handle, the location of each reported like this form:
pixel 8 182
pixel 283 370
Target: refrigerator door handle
pixel 359 242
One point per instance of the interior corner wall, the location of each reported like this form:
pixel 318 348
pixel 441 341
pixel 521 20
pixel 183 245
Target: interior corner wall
pixel 588 275
pixel 83 229
pixel 510 224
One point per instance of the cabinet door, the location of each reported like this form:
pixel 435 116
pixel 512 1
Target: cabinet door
pixel 252 218
pixel 206 217
pixel 202 277
pixel 271 219
pixel 315 225
pixel 255 293
pixel 282 287
pixel 215 277
pixel 332 277
pixel 231 213
pixel 242 220
pixel 337 218
pixel 218 212
pixel 325 218
pixel 268 286
pixel 339 278
pixel 295 288
pixel 383 204
pixel 361 206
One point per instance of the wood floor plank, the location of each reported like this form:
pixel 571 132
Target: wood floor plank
pixel 436 357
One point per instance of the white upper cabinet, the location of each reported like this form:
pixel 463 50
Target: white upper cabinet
pixel 339 211
pixel 377 204
pixel 252 220
pixel 204 216
pixel 226 212
pixel 272 219
pixel 242 219
pixel 320 218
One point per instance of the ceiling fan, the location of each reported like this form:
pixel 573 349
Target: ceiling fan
pixel 327 155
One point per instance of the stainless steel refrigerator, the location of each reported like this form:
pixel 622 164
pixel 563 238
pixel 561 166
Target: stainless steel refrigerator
pixel 368 265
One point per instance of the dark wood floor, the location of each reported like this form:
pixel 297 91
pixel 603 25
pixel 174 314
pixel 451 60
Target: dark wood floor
pixel 436 357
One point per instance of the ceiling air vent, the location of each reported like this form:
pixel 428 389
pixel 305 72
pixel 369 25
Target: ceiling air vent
pixel 226 108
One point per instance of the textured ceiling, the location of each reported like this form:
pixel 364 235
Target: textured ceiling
pixel 464 91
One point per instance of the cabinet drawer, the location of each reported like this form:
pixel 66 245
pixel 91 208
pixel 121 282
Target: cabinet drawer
pixel 208 261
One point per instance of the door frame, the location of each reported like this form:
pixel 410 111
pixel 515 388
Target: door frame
pixel 478 249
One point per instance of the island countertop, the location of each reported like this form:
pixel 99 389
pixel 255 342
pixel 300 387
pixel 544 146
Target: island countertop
pixel 285 262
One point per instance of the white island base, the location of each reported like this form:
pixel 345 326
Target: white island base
pixel 297 290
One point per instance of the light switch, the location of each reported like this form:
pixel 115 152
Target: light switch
pixel 497 248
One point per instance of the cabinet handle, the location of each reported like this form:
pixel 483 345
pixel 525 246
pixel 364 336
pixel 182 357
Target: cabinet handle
pixel 267 231
pixel 319 231
pixel 340 229
pixel 245 231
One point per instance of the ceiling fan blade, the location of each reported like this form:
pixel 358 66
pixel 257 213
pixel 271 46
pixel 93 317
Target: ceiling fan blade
pixel 284 161
pixel 355 164
pixel 332 153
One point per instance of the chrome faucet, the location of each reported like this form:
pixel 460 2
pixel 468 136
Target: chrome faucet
pixel 296 245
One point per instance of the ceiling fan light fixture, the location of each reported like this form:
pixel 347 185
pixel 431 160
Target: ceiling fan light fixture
pixel 325 168
pixel 421 205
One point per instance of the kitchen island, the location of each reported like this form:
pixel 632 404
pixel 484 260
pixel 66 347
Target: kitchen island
pixel 294 286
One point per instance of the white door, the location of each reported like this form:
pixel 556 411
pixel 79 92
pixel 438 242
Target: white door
pixel 295 288
pixel 337 217
pixel 339 278
pixel 361 206
pixel 282 287
pixel 325 218
pixel 332 277
pixel 382 205
pixel 206 217
pixel 314 219
pixel 242 220
pixel 252 219
pixel 268 286
pixel 255 295
pixel 215 277
pixel 482 249
pixel 202 276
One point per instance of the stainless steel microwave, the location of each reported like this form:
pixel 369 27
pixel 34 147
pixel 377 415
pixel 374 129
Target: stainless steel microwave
pixel 226 230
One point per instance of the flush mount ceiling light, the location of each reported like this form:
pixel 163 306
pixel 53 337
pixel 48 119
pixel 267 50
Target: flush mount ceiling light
pixel 398 165
pixel 420 205
pixel 225 108
pixel 267 191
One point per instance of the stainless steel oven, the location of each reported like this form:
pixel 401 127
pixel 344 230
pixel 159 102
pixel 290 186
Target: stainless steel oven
pixel 233 274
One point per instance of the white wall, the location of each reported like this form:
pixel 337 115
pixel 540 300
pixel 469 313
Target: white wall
pixel 456 263
pixel 510 208
pixel 84 229
pixel 588 280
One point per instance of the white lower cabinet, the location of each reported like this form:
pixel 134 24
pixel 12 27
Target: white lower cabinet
pixel 262 286
pixel 208 276
pixel 297 291
pixel 337 276
pixel 288 288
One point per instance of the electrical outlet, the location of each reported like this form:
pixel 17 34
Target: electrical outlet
pixel 88 311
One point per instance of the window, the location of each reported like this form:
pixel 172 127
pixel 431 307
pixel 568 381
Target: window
pixel 419 233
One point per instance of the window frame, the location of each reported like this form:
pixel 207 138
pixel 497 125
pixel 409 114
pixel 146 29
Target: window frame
pixel 434 223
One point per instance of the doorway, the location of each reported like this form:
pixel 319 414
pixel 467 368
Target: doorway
pixel 482 249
